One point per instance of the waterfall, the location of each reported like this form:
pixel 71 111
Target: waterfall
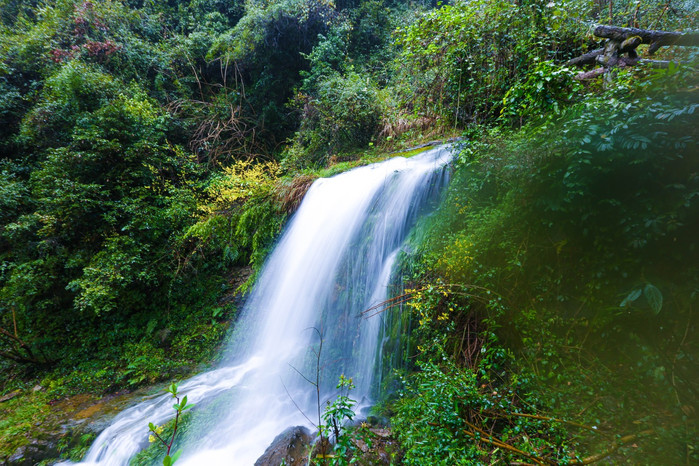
pixel 333 261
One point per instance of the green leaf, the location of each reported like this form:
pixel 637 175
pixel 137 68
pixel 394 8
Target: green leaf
pixel 176 456
pixel 151 426
pixel 167 461
pixel 631 297
pixel 654 297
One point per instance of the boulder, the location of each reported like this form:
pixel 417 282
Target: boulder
pixel 290 447
pixel 33 453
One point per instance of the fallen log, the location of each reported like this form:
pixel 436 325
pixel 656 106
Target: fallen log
pixel 629 45
pixel 621 63
pixel 587 59
pixel 592 74
pixel 648 36
pixel 655 64
pixel 620 49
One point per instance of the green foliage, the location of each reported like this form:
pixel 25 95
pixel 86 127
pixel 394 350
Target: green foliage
pixel 652 295
pixel 584 226
pixel 373 22
pixel 344 112
pixel 329 56
pixel 105 196
pixel 546 89
pixel 73 91
pixel 242 217
pixel 648 14
pixel 335 415
pixel 270 42
pixel 256 27
pixel 461 60
pixel 192 428
pixel 100 198
pixel 339 410
pixel 123 204
pixel 18 416
pixel 106 33
pixel 347 98
pixel 144 363
pixel 76 450
pixel 448 414
pixel 179 407
pixel 13 192
pixel 258 226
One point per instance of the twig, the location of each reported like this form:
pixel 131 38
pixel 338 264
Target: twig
pixel 20 345
pixel 611 19
pixel 489 438
pixel 505 446
pixel 634 21
pixel 294 401
pixel 14 321
pixel 662 13
pixel 546 418
pixel 301 374
pixel 386 305
pixel 618 444
pixel 405 297
pixel 157 435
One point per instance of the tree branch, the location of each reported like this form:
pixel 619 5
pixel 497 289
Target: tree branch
pixel 618 444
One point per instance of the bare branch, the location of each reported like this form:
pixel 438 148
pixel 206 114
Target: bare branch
pixel 294 402
pixel 301 374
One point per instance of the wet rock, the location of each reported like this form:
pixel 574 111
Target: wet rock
pixel 70 422
pixel 291 447
pixel 33 453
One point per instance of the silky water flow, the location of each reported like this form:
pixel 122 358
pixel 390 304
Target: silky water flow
pixel 334 260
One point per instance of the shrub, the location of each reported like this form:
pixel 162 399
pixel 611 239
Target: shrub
pixel 450 415
pixel 344 113
pixel 585 227
pixel 460 60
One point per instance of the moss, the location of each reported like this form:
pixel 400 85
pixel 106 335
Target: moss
pixel 19 416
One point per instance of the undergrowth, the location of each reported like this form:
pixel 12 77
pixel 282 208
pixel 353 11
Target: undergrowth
pixel 558 290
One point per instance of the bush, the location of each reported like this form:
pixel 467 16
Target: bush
pixel 269 44
pixel 344 113
pixel 585 228
pixel 451 415
pixel 242 217
pixel 460 61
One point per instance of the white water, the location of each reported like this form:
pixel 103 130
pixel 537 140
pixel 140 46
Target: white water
pixel 333 261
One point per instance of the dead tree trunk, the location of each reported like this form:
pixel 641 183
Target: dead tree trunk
pixel 587 59
pixel 656 39
pixel 620 48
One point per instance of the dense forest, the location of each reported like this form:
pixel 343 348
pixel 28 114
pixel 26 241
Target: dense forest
pixel 151 152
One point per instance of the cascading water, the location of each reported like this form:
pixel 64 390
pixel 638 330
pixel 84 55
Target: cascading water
pixel 333 262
